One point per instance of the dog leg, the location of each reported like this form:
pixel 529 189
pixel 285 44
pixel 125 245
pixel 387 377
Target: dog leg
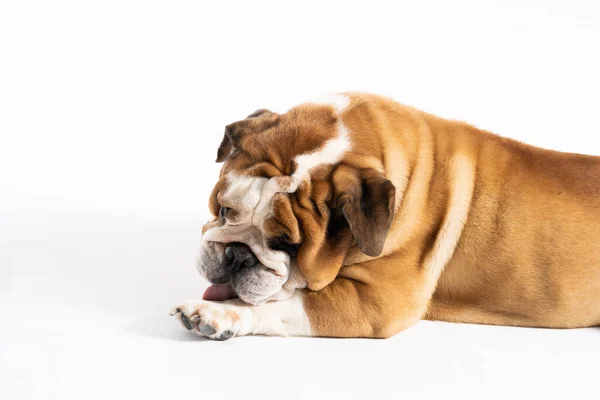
pixel 225 319
pixel 347 307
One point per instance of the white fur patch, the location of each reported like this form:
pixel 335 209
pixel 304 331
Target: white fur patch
pixel 331 153
pixel 277 318
pixel 244 194
pixel 281 318
pixel 339 102
pixel 462 180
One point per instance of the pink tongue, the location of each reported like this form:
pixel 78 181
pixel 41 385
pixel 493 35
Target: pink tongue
pixel 219 292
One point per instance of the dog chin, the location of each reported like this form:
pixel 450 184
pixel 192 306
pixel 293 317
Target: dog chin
pixel 256 285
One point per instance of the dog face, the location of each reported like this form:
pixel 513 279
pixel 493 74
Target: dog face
pixel 297 193
pixel 242 246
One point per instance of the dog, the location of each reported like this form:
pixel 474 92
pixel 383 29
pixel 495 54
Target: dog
pixel 356 216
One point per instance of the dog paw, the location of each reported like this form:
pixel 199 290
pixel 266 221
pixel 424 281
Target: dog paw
pixel 213 320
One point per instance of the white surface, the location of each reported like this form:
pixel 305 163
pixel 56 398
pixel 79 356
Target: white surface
pixel 110 117
pixel 85 317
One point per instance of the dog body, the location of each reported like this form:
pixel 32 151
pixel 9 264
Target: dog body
pixel 355 216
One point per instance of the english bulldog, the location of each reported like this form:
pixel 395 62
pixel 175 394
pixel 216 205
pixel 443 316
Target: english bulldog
pixel 356 216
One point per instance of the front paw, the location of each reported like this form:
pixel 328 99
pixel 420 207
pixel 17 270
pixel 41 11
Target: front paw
pixel 214 320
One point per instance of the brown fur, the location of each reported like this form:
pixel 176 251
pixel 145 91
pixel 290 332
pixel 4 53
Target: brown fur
pixel 482 229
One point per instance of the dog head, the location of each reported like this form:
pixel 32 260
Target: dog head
pixel 298 192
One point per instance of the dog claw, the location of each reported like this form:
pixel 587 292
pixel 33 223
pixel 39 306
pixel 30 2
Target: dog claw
pixel 186 322
pixel 207 330
pixel 225 335
pixel 174 311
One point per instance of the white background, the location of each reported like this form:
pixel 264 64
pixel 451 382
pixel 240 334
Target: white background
pixel 110 116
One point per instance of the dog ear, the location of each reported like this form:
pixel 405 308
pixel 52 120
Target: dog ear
pixel 224 148
pixel 256 122
pixel 367 200
pixel 358 206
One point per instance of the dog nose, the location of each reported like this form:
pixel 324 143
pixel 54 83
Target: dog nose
pixel 238 256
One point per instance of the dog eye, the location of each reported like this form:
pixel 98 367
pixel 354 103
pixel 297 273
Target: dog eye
pixel 223 213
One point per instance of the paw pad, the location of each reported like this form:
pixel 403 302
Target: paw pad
pixel 213 320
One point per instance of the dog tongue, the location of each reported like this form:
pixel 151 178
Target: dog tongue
pixel 219 292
